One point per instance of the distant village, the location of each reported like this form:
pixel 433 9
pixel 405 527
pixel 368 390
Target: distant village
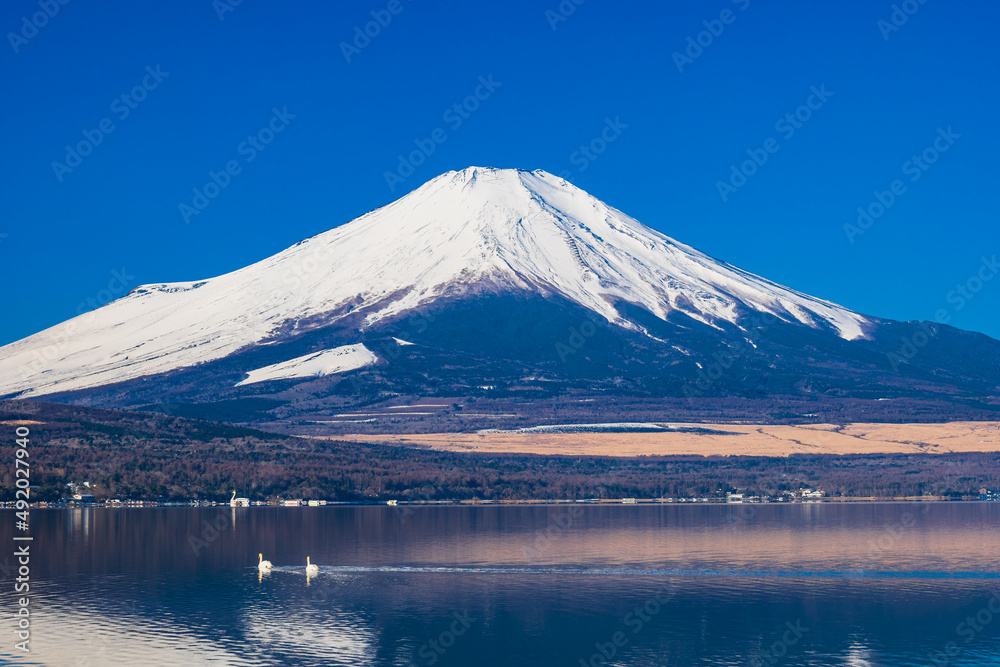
pixel 81 495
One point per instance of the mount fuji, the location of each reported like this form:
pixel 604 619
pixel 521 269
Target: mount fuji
pixel 494 283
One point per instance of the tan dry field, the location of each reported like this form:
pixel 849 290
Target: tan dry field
pixel 739 440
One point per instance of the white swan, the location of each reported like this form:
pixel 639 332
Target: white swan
pixel 263 565
pixel 310 568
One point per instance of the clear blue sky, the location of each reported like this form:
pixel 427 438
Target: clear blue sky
pixel 119 208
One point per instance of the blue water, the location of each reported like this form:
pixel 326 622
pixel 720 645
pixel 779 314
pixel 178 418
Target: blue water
pixel 885 584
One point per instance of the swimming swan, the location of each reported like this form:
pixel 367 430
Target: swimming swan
pixel 310 568
pixel 263 565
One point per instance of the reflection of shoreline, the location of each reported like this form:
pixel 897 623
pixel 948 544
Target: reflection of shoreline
pixel 800 537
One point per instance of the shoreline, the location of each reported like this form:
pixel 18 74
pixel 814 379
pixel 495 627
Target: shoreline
pixel 608 502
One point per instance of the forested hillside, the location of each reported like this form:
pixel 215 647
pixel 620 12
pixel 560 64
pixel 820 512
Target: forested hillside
pixel 146 456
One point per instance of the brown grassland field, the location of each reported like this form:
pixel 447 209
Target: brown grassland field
pixel 737 440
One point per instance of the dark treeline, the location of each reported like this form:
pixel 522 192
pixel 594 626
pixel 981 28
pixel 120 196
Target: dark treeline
pixel 144 456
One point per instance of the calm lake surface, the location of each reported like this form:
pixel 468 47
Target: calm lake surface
pixel 805 584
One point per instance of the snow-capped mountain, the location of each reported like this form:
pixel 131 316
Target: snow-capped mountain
pixel 511 266
pixel 475 229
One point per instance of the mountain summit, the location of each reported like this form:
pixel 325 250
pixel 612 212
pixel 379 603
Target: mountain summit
pixel 530 243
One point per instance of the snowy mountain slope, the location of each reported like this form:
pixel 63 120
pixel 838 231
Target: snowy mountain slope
pixel 468 231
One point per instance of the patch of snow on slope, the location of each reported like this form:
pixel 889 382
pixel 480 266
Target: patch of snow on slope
pixel 316 364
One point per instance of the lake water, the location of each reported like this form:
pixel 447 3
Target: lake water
pixel 805 584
